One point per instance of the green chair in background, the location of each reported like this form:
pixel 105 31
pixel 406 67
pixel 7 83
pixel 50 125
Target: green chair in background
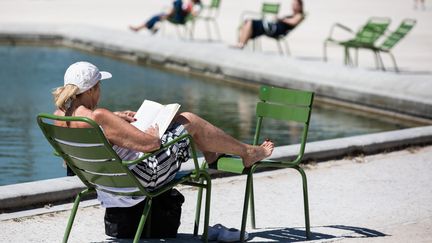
pixel 90 156
pixel 209 14
pixel 366 36
pixel 187 26
pixel 389 42
pixel 287 105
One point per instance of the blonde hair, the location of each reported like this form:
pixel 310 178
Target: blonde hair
pixel 63 96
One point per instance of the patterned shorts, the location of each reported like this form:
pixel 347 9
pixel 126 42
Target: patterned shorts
pixel 161 168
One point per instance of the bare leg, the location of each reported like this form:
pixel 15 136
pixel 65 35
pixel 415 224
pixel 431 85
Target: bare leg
pixel 137 28
pixel 150 24
pixel 209 139
pixel 245 33
pixel 210 157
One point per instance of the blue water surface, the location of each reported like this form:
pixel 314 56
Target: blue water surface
pixel 28 75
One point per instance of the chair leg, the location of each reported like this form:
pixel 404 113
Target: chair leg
pixel 325 51
pixel 192 30
pixel 252 204
pixel 217 30
pixel 199 203
pixel 178 31
pixel 305 201
pixel 346 57
pixel 198 210
pixel 245 205
pixel 279 47
pixel 287 49
pixel 394 62
pixel 207 208
pixel 208 30
pixel 377 63
pixel 143 220
pixel 73 213
pixel 356 60
pixel 380 61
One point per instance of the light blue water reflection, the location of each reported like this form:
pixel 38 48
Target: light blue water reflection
pixel 28 74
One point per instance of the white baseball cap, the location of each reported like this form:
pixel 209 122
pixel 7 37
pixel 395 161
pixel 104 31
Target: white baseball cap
pixel 84 75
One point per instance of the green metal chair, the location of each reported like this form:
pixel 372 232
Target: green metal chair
pixel 90 156
pixel 280 104
pixel 269 11
pixel 283 39
pixel 209 15
pixel 187 26
pixel 365 36
pixel 390 41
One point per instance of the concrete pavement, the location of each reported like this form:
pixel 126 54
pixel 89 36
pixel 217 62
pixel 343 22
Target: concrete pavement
pixel 378 198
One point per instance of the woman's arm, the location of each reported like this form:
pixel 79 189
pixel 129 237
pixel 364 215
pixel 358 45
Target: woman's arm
pixel 293 20
pixel 119 132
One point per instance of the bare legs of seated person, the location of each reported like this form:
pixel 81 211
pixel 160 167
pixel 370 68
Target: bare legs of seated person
pixel 212 141
pixel 245 34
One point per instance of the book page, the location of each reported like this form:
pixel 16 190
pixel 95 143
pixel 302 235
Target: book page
pixel 165 116
pixel 151 113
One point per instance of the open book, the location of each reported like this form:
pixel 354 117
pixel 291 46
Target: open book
pixel 151 113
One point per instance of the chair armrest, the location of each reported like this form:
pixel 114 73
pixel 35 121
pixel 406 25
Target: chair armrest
pixel 164 146
pixel 338 25
pixel 279 163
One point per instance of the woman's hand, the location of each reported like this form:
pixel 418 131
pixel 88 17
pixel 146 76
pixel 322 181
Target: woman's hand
pixel 126 115
pixel 154 131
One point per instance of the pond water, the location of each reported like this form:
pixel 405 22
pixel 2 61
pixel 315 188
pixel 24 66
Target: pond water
pixel 28 74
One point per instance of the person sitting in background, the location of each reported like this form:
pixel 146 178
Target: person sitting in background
pixel 254 28
pixel 80 96
pixel 178 13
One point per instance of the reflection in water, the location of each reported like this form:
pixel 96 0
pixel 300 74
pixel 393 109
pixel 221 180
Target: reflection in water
pixel 28 74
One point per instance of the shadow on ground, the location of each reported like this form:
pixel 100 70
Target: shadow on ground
pixel 283 235
pixel 318 233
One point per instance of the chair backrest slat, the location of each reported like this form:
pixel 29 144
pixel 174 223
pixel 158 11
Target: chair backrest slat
pixel 109 180
pixel 398 34
pixel 281 112
pixel 82 135
pixel 83 150
pixel 106 167
pixel 285 96
pixel 287 105
pixel 215 3
pixel 270 8
pixel 372 30
pixel 88 153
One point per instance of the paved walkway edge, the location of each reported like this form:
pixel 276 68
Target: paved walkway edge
pixel 26 195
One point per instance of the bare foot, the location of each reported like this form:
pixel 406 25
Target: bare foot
pixel 133 28
pixel 237 46
pixel 257 153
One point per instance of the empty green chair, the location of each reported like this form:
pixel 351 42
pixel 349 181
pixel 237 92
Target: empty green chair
pixel 390 41
pixel 367 35
pixel 90 156
pixel 209 14
pixel 290 106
